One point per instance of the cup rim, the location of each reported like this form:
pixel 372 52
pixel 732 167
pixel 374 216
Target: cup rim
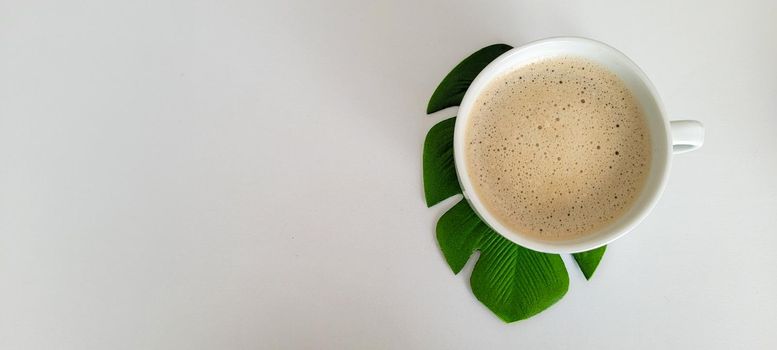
pixel 594 240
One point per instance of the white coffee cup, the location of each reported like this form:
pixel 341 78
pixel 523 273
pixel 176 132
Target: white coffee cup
pixel 667 138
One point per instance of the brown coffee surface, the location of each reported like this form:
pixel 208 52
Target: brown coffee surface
pixel 558 148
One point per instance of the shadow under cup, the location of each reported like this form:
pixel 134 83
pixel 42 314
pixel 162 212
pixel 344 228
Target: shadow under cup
pixel 643 91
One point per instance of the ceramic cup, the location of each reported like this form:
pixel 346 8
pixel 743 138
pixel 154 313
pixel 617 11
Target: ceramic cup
pixel 667 137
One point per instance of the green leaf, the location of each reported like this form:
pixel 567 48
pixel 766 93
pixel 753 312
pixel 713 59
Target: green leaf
pixel 451 90
pixel 589 260
pixel 459 233
pixel 440 180
pixel 513 282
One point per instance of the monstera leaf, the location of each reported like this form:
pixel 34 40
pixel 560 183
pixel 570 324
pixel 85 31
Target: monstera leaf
pixel 451 90
pixel 588 261
pixel 440 181
pixel 512 281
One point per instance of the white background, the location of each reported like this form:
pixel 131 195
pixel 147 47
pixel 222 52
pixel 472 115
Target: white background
pixel 247 175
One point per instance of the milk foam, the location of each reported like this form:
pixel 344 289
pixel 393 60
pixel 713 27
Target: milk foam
pixel 557 148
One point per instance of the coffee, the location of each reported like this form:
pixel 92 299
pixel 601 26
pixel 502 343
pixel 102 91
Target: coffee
pixel 558 148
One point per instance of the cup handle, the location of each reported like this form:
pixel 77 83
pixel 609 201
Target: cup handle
pixel 687 135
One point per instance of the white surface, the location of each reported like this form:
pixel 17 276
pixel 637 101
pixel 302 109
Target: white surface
pixel 247 175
